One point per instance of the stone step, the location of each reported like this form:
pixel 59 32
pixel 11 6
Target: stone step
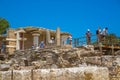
pixel 2 56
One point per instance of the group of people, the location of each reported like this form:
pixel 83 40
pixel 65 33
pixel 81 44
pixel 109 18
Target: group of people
pixel 100 35
pixel 41 45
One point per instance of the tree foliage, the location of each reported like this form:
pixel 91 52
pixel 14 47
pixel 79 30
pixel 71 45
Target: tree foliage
pixel 4 25
pixel 112 38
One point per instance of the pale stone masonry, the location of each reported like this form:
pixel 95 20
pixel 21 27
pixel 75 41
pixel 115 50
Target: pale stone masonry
pixel 5 75
pixel 25 38
pixel 77 73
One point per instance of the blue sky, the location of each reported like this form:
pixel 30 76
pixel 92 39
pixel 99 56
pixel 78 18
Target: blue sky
pixel 73 16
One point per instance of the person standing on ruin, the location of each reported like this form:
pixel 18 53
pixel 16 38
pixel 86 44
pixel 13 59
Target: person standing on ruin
pixel 70 39
pixel 42 45
pixel 88 37
pixel 33 47
pixel 98 31
pixel 104 33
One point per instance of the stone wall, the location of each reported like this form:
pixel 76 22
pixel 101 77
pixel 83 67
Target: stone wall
pixel 11 34
pixel 9 43
pixel 77 73
pixel 102 60
pixel 111 62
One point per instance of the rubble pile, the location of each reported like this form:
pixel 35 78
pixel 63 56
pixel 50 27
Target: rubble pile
pixel 47 58
pixel 52 58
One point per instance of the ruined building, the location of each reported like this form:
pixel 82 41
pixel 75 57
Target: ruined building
pixel 24 38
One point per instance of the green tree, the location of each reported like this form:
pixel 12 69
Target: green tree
pixel 4 25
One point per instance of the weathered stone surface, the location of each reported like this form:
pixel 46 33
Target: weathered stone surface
pixel 78 73
pixel 108 60
pixel 117 60
pixel 5 75
pixel 57 58
pixel 40 74
pixel 96 60
pixel 4 67
pixel 97 73
pixel 22 75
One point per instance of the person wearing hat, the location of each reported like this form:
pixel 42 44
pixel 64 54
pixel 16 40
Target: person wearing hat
pixel 104 33
pixel 88 37
pixel 70 39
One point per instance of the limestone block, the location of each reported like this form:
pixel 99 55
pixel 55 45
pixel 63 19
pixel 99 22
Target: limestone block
pixel 52 74
pixel 77 73
pixel 11 33
pixel 41 74
pixel 107 60
pixel 59 75
pixel 96 73
pixel 5 75
pixel 22 75
pixel 93 60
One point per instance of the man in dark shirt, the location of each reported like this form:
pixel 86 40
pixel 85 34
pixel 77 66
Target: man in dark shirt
pixel 88 37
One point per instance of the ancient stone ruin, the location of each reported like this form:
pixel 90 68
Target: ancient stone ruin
pixel 59 63
pixel 56 61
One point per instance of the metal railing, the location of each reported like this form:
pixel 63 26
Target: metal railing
pixel 82 41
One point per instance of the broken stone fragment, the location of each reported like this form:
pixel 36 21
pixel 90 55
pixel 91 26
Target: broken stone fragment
pixel 4 67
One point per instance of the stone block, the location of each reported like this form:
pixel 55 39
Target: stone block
pixel 5 75
pixel 22 75
pixel 77 73
pixel 93 60
pixel 107 60
pixel 59 74
pixel 41 74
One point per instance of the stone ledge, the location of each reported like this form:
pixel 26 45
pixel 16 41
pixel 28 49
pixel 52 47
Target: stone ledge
pixel 76 73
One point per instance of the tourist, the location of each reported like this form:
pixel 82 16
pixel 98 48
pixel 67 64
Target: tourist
pixel 42 45
pixel 104 33
pixel 70 39
pixel 51 41
pixel 88 37
pixel 98 31
pixel 33 47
